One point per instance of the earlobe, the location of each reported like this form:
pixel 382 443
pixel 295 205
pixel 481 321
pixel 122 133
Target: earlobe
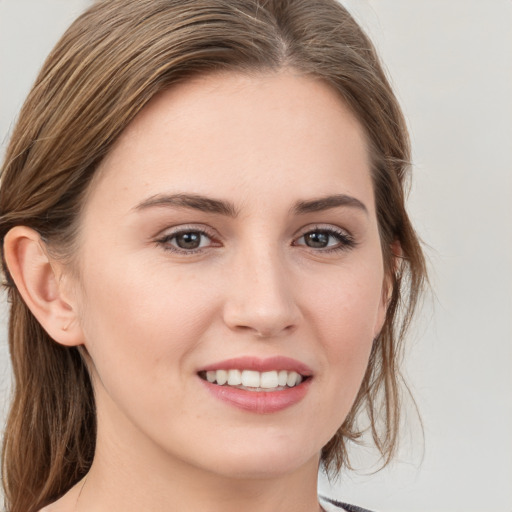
pixel 40 281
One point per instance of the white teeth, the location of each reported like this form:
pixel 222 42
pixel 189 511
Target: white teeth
pixel 234 377
pixel 255 380
pixel 269 380
pixel 222 377
pixel 292 379
pixel 251 379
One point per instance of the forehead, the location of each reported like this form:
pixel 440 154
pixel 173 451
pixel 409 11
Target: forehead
pixel 241 135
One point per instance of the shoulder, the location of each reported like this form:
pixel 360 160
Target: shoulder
pixel 331 505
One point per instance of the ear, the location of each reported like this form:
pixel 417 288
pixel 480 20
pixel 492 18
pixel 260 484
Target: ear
pixel 388 285
pixel 42 282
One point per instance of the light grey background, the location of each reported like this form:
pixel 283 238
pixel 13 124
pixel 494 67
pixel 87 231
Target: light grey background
pixel 451 65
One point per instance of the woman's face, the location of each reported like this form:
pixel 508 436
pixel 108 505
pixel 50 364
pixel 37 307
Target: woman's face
pixel 231 234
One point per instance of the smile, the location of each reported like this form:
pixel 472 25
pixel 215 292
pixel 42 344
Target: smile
pixel 255 385
pixel 252 380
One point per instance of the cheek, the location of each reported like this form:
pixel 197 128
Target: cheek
pixel 348 313
pixel 343 313
pixel 142 326
pixel 349 305
pixel 137 317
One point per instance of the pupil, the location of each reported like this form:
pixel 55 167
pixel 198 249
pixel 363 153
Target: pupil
pixel 317 239
pixel 188 240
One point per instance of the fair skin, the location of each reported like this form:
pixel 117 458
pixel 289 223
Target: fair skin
pixel 204 239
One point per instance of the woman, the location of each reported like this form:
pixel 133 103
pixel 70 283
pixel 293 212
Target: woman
pixel 208 258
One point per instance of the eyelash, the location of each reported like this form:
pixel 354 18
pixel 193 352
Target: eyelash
pixel 165 241
pixel 345 240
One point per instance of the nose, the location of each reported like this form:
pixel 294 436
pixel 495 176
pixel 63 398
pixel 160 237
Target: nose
pixel 259 296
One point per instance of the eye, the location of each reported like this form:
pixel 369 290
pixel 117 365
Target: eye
pixel 190 240
pixel 327 239
pixel 185 241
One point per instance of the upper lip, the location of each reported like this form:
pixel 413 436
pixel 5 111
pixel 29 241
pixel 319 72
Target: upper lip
pixel 260 364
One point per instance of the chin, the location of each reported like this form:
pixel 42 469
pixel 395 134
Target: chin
pixel 260 460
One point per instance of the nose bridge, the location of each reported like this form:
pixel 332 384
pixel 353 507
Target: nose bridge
pixel 261 298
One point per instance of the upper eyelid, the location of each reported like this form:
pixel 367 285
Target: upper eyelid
pixel 208 230
pixel 184 228
pixel 322 227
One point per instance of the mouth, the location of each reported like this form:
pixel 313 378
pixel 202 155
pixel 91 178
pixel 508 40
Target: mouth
pixel 253 380
pixel 256 385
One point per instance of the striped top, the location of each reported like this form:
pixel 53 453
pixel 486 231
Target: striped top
pixel 330 505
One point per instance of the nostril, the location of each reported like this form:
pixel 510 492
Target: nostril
pixel 269 332
pixel 263 304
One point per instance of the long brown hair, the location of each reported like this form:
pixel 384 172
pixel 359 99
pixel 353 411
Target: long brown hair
pixel 112 60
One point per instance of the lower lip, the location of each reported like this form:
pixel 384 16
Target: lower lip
pixel 261 402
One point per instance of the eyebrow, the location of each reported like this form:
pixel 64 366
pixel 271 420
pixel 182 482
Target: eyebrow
pixel 222 207
pixel 328 202
pixel 193 201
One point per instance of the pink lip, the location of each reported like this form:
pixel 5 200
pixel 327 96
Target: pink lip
pixel 261 402
pixel 261 365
